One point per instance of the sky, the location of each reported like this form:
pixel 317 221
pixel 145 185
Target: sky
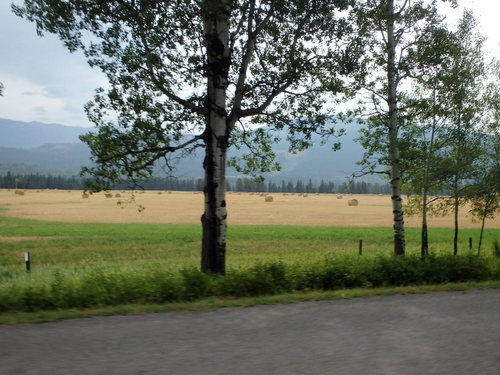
pixel 46 83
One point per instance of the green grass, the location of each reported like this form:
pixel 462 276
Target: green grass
pixel 178 246
pixel 95 266
pixel 213 303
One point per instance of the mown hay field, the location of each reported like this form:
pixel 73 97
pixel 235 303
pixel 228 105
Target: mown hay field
pixel 186 208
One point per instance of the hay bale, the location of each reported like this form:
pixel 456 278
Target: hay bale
pixel 160 193
pixel 339 197
pixel 118 195
pixel 304 195
pixel 85 196
pixel 169 192
pixel 19 192
pixel 352 202
pixel 269 198
pixel 108 195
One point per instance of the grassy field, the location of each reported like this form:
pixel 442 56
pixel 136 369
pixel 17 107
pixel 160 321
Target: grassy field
pixel 72 257
pixel 56 244
pixel 244 209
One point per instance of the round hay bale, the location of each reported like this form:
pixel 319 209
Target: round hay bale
pixel 304 195
pixel 160 193
pixel 269 198
pixel 85 195
pixel 19 192
pixel 108 195
pixel 339 197
pixel 118 195
pixel 169 192
pixel 352 202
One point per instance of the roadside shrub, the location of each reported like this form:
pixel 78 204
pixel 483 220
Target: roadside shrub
pixel 196 284
pixel 92 287
pixel 496 249
pixel 260 279
pixel 398 271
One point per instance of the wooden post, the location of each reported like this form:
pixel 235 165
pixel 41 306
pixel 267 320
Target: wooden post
pixel 470 243
pixel 27 261
pixel 360 247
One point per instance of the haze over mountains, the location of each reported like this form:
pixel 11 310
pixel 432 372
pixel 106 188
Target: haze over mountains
pixel 34 147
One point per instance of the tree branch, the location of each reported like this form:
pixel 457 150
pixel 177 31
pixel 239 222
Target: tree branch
pixel 159 150
pixel 150 71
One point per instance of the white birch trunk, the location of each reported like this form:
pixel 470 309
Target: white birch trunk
pixel 397 201
pixel 214 218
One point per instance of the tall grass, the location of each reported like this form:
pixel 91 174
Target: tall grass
pixel 101 286
pixel 84 265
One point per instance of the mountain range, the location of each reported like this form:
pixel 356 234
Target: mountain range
pixel 34 147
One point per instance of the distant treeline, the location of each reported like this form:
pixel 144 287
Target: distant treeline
pixel 37 181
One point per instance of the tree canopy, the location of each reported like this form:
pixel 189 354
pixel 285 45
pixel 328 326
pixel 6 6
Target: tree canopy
pixel 189 74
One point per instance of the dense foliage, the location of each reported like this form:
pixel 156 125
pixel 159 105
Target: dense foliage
pixel 37 181
pixel 101 287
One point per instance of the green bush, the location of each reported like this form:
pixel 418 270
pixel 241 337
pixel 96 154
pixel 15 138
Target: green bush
pixel 260 279
pixel 100 287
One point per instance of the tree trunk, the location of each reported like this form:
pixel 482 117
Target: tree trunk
pixel 424 250
pixel 425 194
pixel 214 218
pixel 455 209
pixel 481 235
pixel 397 202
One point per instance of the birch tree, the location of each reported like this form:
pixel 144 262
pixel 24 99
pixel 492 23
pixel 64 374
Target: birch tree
pixel 426 167
pixel 462 94
pixel 484 194
pixel 394 27
pixel 190 74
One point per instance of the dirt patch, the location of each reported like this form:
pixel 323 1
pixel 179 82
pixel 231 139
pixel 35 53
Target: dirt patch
pixel 26 238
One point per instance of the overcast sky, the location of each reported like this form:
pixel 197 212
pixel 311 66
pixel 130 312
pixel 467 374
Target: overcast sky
pixel 44 82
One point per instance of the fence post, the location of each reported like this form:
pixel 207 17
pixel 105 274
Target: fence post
pixel 360 247
pixel 470 243
pixel 27 261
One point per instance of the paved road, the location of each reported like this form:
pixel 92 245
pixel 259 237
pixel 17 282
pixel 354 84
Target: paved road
pixel 444 333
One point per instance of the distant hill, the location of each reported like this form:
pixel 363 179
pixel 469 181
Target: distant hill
pixel 39 147
pixel 65 156
pixel 26 135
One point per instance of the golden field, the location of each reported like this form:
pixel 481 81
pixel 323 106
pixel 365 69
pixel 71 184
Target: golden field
pixel 186 208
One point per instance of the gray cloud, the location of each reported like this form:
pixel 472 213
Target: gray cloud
pixel 34 66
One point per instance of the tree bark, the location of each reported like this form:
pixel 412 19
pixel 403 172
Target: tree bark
pixel 456 206
pixel 424 250
pixel 481 235
pixel 397 201
pixel 214 218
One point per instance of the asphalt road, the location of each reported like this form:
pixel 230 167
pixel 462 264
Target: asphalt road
pixel 443 333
